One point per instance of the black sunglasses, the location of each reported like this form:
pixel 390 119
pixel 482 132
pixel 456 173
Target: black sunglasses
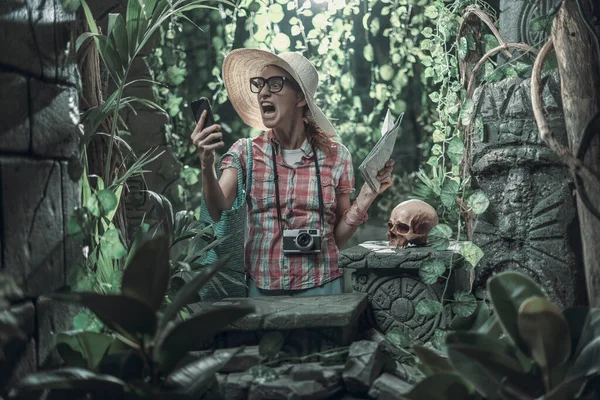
pixel 274 83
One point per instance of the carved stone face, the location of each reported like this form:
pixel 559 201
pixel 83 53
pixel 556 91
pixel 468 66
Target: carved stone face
pixel 411 222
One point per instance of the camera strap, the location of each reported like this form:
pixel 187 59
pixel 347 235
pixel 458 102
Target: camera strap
pixel 319 188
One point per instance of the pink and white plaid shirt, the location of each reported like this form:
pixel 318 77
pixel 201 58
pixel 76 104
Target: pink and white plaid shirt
pixel 298 194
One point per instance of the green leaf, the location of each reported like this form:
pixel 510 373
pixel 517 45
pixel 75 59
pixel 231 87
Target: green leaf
pixel 434 96
pixel 449 193
pixel 195 378
pixel 87 320
pixel 474 321
pixel 193 332
pixel 471 252
pixel 80 222
pixel 102 203
pixel 70 6
pixel 508 290
pixel 397 337
pixel 455 150
pixel 441 386
pixel 478 202
pixel 147 275
pixel 428 307
pixel 368 53
pixel 433 359
pixel 72 378
pixel 466 113
pixel 546 332
pixel 83 349
pixel 124 315
pixel 111 245
pixel 439 236
pixel 431 12
pixel 584 325
pixel 119 35
pixel 134 22
pixel 541 24
pixel 431 270
pixel 464 304
pixel 270 344
pixel 490 42
pixel 186 294
pixel 463 47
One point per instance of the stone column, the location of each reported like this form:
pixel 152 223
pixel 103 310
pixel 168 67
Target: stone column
pixel 38 135
pixel 516 18
pixel 531 224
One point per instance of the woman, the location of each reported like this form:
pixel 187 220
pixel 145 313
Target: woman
pixel 301 178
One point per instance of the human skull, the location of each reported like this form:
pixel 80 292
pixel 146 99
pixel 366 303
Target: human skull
pixel 410 222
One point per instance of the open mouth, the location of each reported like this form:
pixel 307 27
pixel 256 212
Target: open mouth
pixel 267 108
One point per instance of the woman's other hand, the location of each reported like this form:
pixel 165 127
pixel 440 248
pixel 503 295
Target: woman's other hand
pixel 384 176
pixel 207 140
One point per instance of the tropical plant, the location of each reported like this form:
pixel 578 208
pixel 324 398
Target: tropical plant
pixel 147 354
pixel 529 349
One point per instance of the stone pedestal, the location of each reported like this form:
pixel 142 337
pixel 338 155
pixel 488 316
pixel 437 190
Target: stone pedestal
pixel 390 278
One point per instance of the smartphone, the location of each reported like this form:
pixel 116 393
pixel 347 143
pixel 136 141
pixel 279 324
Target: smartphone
pixel 200 105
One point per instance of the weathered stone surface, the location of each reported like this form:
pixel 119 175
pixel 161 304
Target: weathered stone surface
pixel 54 119
pixel 364 364
pixel 32 218
pixel 378 255
pixel 285 312
pixel 52 318
pixel 14 114
pixel 147 130
pixel 234 386
pixel 242 361
pixel 36 35
pixel 531 223
pixel 70 200
pixel 516 17
pixel 388 387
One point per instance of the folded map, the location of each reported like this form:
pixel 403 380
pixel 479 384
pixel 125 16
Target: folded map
pixel 381 152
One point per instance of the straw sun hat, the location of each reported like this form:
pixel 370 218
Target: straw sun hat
pixel 242 64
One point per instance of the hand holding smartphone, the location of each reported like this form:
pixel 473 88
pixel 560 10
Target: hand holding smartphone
pixel 200 105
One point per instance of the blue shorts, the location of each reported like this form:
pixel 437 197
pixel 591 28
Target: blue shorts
pixel 336 286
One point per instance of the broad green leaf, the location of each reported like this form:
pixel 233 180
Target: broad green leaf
pixel 270 344
pixel 478 202
pixel 428 307
pixel 466 113
pixel 111 246
pixel 87 320
pixel 164 213
pixel 193 332
pixel 471 252
pixel 133 20
pixel 455 150
pixel 541 24
pixel 119 34
pixel 368 53
pixel 545 331
pixel 439 236
pixel 463 47
pixel 176 75
pixel 190 290
pixel 490 42
pixel 80 222
pixel 464 304
pixel 431 270
pixel 431 12
pixel 387 72
pixel 586 364
pixel 147 275
pixel 70 6
pixel 124 315
pixel 195 378
pixel 436 361
pixel 89 17
pixel 434 96
pixel 427 32
pixel 72 378
pixel 441 386
pixel 584 325
pixel 449 193
pixel 102 202
pixel 76 347
pixel 111 58
pixel 508 290
pixel 281 42
pixel 438 136
pixel 474 321
pixel 398 338
pixel 276 13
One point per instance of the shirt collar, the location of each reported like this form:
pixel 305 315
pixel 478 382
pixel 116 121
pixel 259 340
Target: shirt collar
pixel 272 139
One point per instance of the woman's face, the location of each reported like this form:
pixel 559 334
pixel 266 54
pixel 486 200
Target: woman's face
pixel 278 109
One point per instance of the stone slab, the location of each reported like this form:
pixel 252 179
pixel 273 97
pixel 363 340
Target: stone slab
pixel 15 134
pixel 54 119
pixel 36 36
pixel 19 356
pixel 32 215
pixel 379 255
pixel 70 199
pixel 388 387
pixel 286 312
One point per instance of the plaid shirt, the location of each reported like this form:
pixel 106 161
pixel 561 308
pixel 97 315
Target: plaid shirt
pixel 298 194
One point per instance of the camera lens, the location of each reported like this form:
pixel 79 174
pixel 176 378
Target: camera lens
pixel 304 241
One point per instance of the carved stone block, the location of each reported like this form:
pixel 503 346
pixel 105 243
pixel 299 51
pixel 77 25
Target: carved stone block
pixel 15 133
pixel 32 215
pixel 517 19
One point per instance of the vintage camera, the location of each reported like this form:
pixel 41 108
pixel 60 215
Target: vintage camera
pixel 300 241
